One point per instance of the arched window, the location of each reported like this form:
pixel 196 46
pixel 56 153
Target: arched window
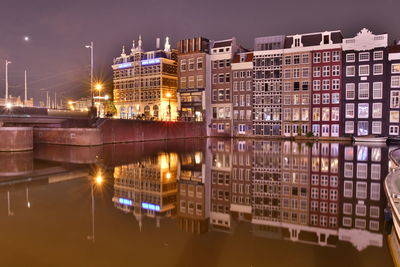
pixel 155 111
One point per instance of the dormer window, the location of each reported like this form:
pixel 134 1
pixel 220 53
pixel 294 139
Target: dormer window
pixel 326 38
pixel 297 41
pixel 227 49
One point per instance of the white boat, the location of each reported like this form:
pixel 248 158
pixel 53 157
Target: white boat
pixel 369 138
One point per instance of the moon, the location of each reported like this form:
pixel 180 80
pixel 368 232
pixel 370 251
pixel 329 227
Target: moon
pixel 26 38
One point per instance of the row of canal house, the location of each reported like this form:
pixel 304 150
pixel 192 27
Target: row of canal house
pixel 318 83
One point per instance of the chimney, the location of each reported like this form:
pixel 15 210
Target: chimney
pixel 158 44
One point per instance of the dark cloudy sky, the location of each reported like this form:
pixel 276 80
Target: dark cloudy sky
pixel 56 58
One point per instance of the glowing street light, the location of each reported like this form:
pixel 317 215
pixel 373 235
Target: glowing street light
pixel 26 38
pixel 8 105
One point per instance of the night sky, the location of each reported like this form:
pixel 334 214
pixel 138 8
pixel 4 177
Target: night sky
pixel 57 60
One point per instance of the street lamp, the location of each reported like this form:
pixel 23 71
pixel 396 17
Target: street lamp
pixel 91 70
pixel 169 104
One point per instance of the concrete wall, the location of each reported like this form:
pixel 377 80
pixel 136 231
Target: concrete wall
pixel 121 131
pixel 68 136
pixel 16 138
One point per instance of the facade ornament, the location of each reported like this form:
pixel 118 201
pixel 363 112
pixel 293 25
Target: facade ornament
pixel 167 46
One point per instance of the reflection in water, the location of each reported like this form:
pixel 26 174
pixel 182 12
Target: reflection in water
pixel 319 193
pixel 240 202
pixel 147 188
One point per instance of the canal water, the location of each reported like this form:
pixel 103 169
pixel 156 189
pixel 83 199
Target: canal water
pixel 211 202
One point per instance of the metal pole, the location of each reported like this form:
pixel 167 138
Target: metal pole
pixel 92 214
pixel 26 89
pixel 47 99
pixel 55 100
pixel 91 71
pixel 7 62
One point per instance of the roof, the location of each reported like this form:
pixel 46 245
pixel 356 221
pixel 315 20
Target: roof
pixel 314 39
pixel 394 49
pixel 248 57
pixel 222 43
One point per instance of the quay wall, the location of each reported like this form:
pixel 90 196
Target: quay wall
pixel 68 136
pixel 16 138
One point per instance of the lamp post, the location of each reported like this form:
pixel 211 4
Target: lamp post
pixel 7 62
pixel 98 87
pixel 91 70
pixel 169 105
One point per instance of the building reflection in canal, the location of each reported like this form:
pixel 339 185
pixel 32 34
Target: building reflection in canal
pixel 312 193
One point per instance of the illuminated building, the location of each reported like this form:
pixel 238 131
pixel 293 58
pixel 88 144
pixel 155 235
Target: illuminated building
pixel 393 83
pixel 147 188
pixel 364 89
pixel 297 78
pixel 267 101
pixel 194 78
pixel 145 83
pixel 242 93
pixel 222 52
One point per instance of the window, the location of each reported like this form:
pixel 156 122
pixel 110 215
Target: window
pixel 317 58
pixel 393 130
pixel 378 55
pixel 296 59
pixel 317 72
pixel 326 84
pixel 362 127
pixel 235 86
pixel 305 73
pixel 286 74
pixel 350 57
pixel 336 56
pixel 325 71
pixel 221 64
pixel 200 83
pixel 335 84
pixel 305 59
pixel 396 68
pixel 350 71
pixel 288 60
pixel 316 114
pixel 221 78
pixel 363 110
pixel 316 99
pixel 296 73
pixel 215 78
pixel 363 90
pixel 395 99
pixel 350 91
pixel 325 98
pixel 191 82
pixel 335 98
pixel 349 127
pixel 394 116
pixel 335 114
pixel 336 70
pixel 326 56
pixel 325 114
pixel 183 83
pixel 395 82
pixel 349 110
pixel 183 65
pixel 316 85
pixel 377 90
pixel 363 56
pixel 363 70
pixel 199 63
pixel 377 110
pixel 191 64
pixel 378 69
